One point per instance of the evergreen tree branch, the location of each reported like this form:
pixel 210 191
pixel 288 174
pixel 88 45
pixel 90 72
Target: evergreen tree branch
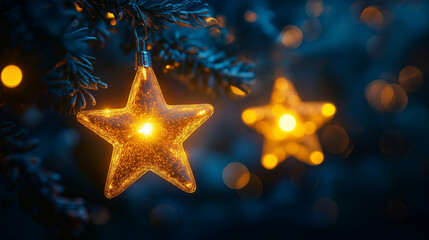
pixel 154 14
pixel 60 65
pixel 206 68
pixel 71 78
pixel 36 188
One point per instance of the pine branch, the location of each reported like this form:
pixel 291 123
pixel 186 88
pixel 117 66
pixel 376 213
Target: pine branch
pixel 155 14
pixel 72 78
pixel 36 188
pixel 207 69
pixel 47 32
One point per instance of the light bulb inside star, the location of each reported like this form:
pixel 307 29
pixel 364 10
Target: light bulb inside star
pixel 287 122
pixel 146 129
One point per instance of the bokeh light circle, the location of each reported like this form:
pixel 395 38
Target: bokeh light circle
pixel 291 36
pixel 235 175
pixel 11 76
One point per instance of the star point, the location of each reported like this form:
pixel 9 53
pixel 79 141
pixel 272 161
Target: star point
pixel 147 135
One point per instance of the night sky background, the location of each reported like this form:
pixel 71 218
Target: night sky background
pixel 369 58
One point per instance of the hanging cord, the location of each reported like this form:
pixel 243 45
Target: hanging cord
pixel 142 56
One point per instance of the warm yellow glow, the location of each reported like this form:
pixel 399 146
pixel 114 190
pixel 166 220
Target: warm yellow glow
pixel 303 153
pixel 310 127
pixel 11 76
pixel 201 112
pixel 107 112
pixel 280 153
pixel 146 129
pixel 248 116
pixel 133 156
pixel 328 109
pixel 287 123
pixel 278 97
pixel 144 74
pixel 167 68
pixel 299 131
pixel 293 100
pixel 262 127
pixel 237 91
pixel 292 148
pixel 281 83
pixel 279 134
pixel 269 161
pixel 110 15
pixel 316 157
pixel 278 110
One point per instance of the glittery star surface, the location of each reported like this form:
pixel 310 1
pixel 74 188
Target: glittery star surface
pixel 289 125
pixel 147 135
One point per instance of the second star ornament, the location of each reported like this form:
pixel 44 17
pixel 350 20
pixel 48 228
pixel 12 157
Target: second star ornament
pixel 289 125
pixel 147 135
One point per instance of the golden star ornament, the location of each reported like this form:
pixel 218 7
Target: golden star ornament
pixel 289 125
pixel 147 135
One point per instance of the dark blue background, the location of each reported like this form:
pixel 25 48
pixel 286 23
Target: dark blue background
pixel 379 190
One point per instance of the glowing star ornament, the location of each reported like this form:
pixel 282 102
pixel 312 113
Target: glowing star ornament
pixel 147 135
pixel 289 126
